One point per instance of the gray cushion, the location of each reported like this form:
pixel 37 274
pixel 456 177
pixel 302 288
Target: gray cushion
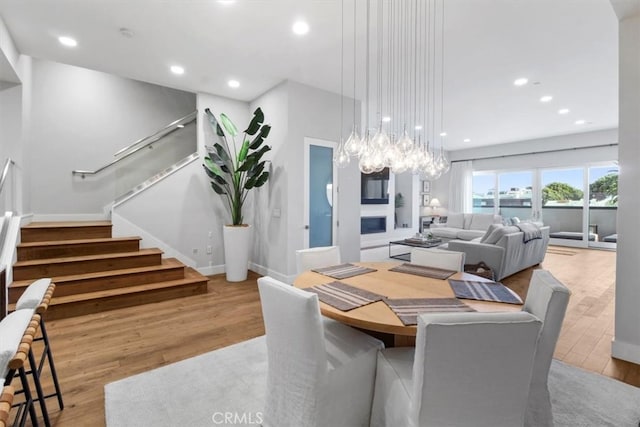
pixel 481 221
pixel 445 232
pixel 469 234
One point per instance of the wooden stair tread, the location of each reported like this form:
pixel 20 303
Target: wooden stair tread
pixel 77 241
pixel 126 291
pixel 141 252
pixel 67 224
pixel 167 263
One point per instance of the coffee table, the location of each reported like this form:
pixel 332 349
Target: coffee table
pixel 428 243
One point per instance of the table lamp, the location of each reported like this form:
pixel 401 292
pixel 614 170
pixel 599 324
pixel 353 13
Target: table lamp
pixel 434 204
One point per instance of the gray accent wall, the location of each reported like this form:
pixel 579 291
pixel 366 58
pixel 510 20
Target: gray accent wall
pixel 79 119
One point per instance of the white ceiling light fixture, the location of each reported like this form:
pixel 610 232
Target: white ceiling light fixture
pixel 226 2
pixel 521 81
pixel 466 140
pixel 580 122
pixel 300 28
pixel 563 111
pixel 546 98
pixel 234 84
pixel 406 82
pixel 176 69
pixel 67 41
pixel 443 134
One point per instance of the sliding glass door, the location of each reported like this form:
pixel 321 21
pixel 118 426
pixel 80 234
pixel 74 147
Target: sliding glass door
pixel 579 204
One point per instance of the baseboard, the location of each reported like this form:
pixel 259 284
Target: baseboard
pixel 625 351
pixel 264 271
pixel 211 270
pixel 70 217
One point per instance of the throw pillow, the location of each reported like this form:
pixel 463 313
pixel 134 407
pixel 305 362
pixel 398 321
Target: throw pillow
pixel 499 232
pixel 490 230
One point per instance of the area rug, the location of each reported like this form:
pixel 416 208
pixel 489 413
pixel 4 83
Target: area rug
pixel 227 388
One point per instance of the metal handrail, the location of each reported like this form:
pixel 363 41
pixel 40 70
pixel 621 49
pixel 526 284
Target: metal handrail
pixel 5 171
pixel 141 143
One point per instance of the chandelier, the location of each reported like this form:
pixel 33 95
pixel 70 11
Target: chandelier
pixel 403 72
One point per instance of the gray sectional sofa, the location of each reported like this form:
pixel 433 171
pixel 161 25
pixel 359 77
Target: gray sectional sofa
pixel 503 249
pixel 464 226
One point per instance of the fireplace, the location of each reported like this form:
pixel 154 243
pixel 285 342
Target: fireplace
pixel 373 224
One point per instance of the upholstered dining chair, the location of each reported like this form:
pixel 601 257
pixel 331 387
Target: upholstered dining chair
pixel 320 372
pixel 438 258
pixel 547 299
pixel 323 256
pixel 468 369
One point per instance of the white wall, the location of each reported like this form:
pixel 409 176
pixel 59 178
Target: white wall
pixel 79 119
pixel 182 214
pixel 626 344
pixel 298 111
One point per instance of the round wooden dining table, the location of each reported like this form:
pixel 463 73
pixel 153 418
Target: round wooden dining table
pixel 377 316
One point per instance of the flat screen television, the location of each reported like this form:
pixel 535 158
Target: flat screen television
pixel 374 188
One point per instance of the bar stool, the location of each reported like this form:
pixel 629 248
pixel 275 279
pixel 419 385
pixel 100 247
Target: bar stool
pixel 18 330
pixel 6 399
pixel 37 297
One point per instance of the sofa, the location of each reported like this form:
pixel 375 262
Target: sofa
pixel 464 226
pixel 503 249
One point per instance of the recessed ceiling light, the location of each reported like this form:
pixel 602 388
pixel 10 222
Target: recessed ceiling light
pixel 580 122
pixel 521 81
pixel 546 98
pixel 386 119
pixel 443 134
pixel 226 2
pixel 67 41
pixel 418 127
pixel 563 111
pixel 300 28
pixel 466 140
pixel 233 83
pixel 176 69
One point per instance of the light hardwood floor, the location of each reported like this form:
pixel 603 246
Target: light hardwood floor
pixel 93 350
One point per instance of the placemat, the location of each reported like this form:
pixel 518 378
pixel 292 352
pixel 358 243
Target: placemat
pixel 344 297
pixel 421 270
pixel 407 309
pixel 343 271
pixel 483 291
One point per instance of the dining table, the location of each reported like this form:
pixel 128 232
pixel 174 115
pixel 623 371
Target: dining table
pixel 378 318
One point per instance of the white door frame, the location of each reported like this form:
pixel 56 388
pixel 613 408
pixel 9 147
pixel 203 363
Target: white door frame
pixel 308 142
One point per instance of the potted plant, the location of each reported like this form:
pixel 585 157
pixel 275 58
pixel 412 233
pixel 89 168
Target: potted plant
pixel 234 172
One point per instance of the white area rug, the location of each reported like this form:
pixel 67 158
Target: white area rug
pixel 227 387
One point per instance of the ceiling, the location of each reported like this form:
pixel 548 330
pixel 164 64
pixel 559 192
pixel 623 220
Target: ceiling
pixel 569 48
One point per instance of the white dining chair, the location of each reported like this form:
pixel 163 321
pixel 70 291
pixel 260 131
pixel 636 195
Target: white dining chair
pixel 468 369
pixel 438 258
pixel 323 256
pixel 320 372
pixel 547 299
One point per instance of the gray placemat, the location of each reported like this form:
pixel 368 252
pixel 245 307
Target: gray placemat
pixel 408 309
pixel 424 271
pixel 483 291
pixel 343 271
pixel 342 296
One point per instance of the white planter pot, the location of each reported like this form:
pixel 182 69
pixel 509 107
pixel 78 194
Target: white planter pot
pixel 237 244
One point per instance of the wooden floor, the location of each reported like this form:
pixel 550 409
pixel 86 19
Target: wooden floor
pixel 93 350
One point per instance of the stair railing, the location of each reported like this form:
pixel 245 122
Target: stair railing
pixel 5 172
pixel 140 144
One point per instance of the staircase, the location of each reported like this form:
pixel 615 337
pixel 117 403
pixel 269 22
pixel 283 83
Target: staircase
pixel 94 272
